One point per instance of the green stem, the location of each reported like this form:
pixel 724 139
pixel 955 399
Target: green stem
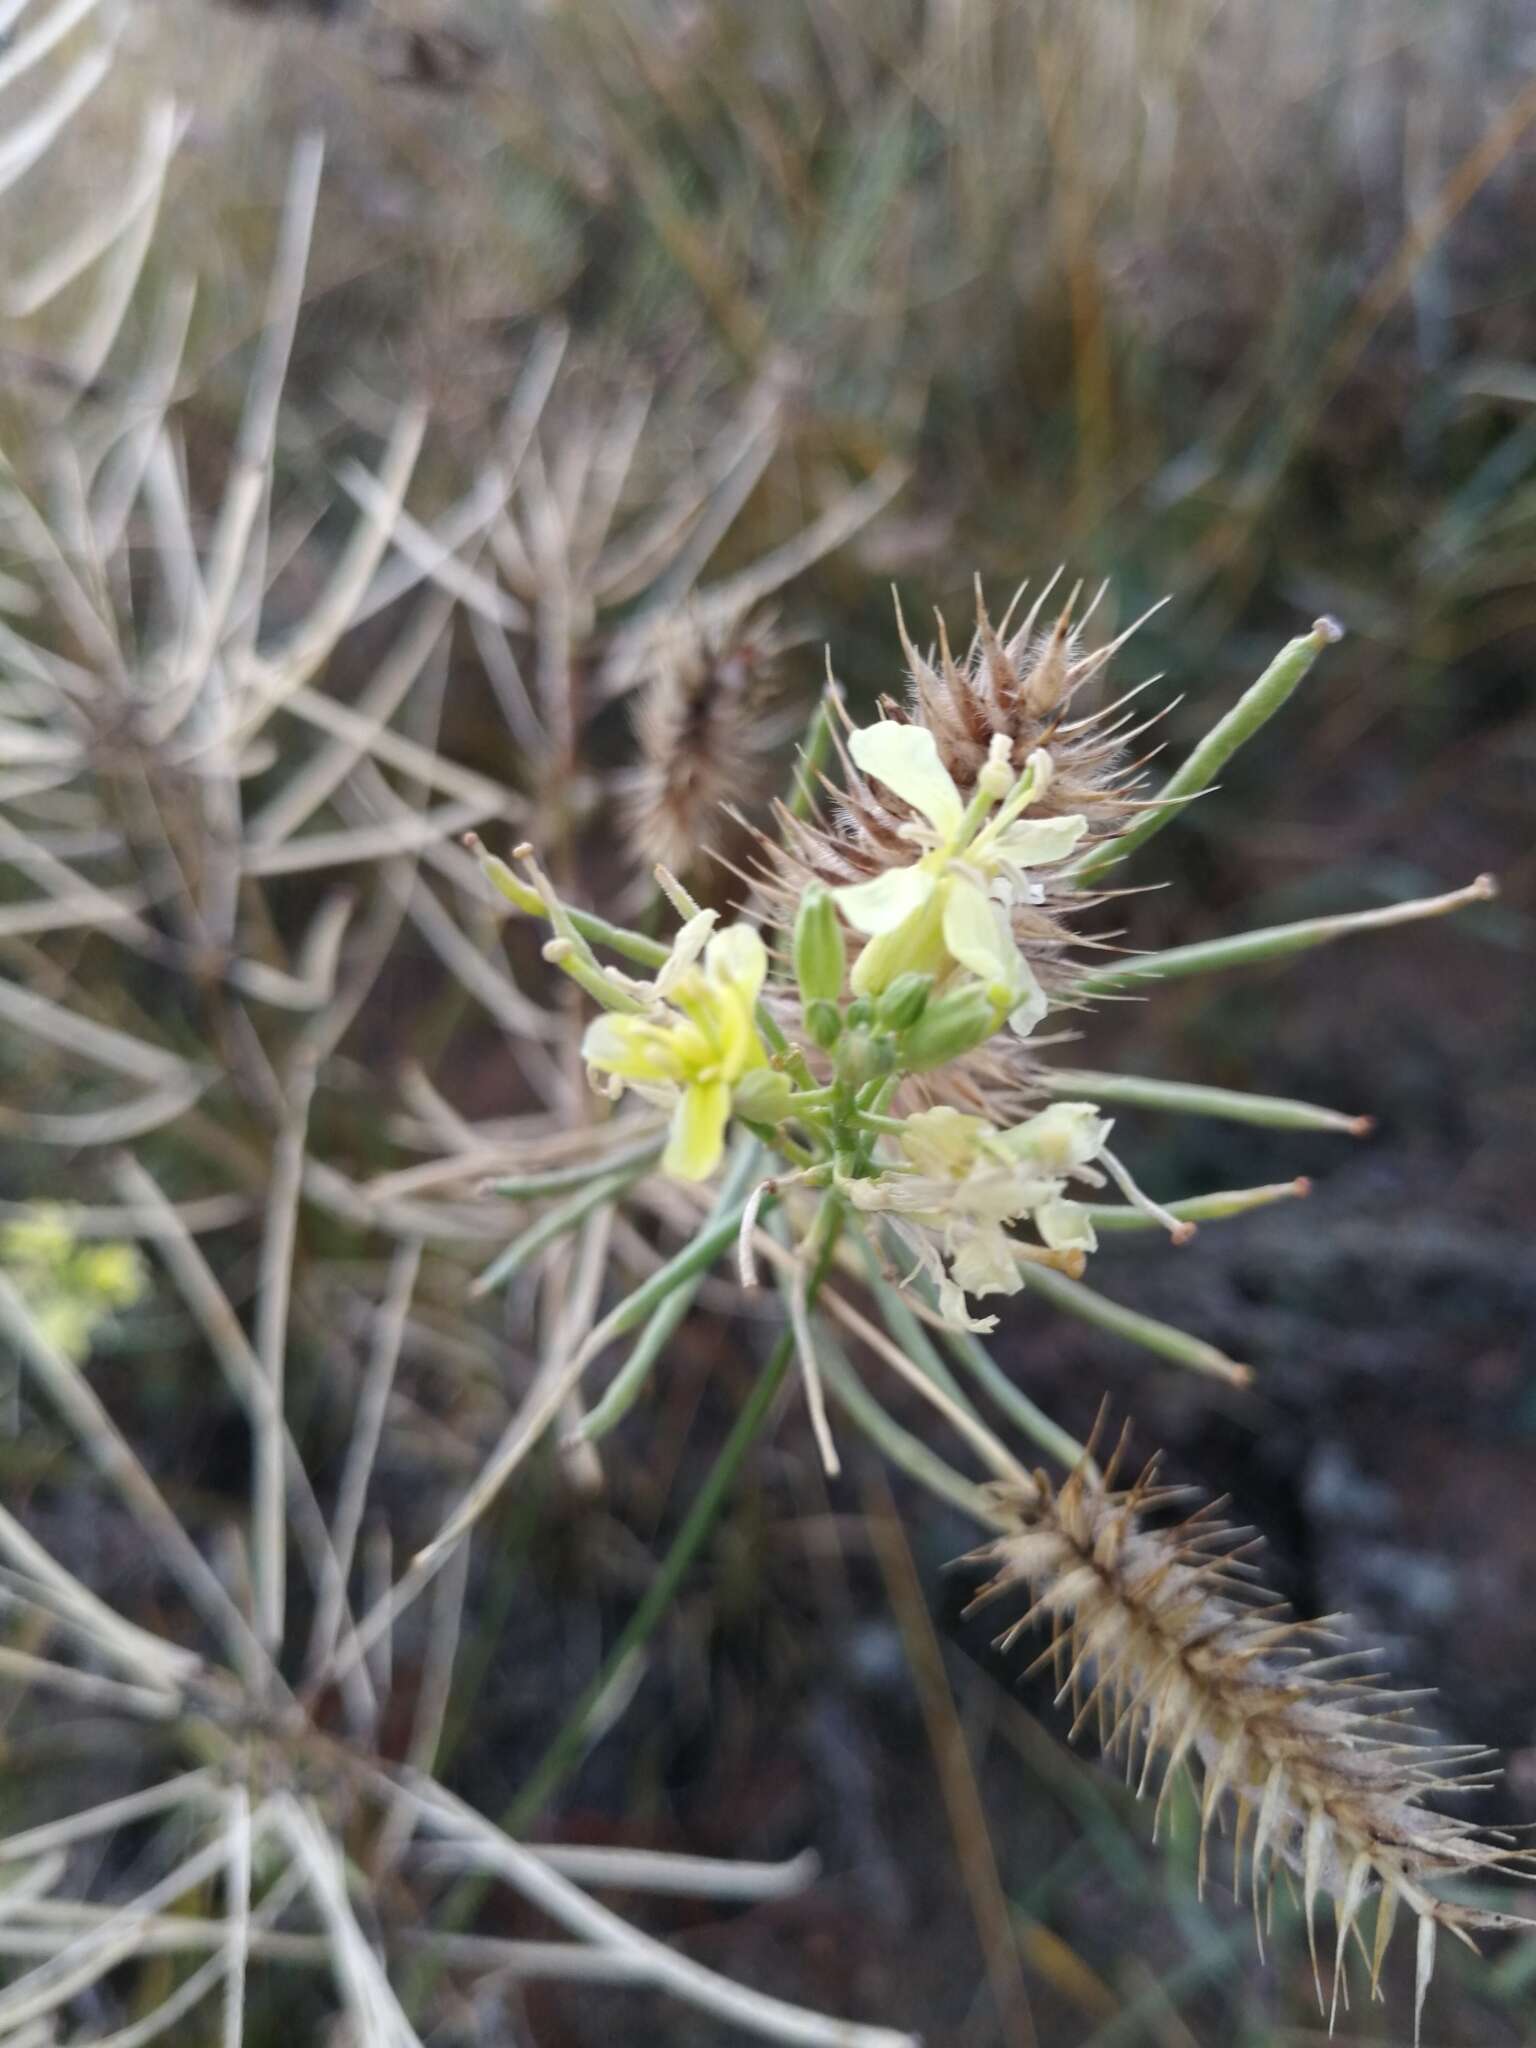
pixel 1197 1208
pixel 907 1452
pixel 1056 1442
pixel 628 1383
pixel 1183 1098
pixel 809 1098
pixel 699 1253
pixel 1075 1299
pixel 1208 956
pixel 597 931
pixel 554 1224
pixel 1253 710
pixel 559 1179
pixel 618 938
pixel 565 1752
pixel 974 1357
pixel 908 1331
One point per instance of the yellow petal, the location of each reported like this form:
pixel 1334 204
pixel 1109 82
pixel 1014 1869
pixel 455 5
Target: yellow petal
pixel 736 1037
pixel 985 1264
pixel 1037 841
pixel 1066 1135
pixel 629 1047
pixel 1066 1226
pixel 686 948
pixel 884 904
pixel 942 1140
pixel 976 933
pixel 738 958
pixel 1029 1001
pixel 697 1136
pixel 906 759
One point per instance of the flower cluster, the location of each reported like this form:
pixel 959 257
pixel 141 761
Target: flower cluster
pixel 871 1027
pixel 896 975
pixel 963 1181
pixel 70 1288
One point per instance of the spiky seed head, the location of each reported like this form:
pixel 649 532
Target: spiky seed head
pixel 705 729
pixel 1184 1664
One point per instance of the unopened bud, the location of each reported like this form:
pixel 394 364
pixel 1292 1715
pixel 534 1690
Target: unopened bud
pixel 824 1021
pixel 861 1014
pixel 819 956
pixel 903 1002
pixel 953 1025
pixel 997 777
pixel 762 1096
pixel 857 1059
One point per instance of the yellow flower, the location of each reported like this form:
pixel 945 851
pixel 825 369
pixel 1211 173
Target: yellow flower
pixel 692 1050
pixel 950 908
pixel 965 1182
pixel 70 1289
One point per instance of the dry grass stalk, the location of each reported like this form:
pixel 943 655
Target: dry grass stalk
pixel 705 734
pixel 1159 1634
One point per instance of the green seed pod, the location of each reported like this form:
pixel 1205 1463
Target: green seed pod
pixel 955 1024
pixel 762 1096
pixel 819 955
pixel 904 1002
pixel 824 1021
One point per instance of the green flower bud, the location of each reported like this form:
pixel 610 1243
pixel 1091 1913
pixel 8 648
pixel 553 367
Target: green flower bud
pixel 861 1014
pixel 762 1095
pixel 856 1059
pixel 819 955
pixel 824 1021
pixel 904 1001
pixel 955 1024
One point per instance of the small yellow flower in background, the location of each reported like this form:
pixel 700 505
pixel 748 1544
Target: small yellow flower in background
pixel 70 1288
pixel 42 1241
pixel 690 1051
pixel 951 908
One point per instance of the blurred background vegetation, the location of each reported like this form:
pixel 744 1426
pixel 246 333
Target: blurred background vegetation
pixel 1220 298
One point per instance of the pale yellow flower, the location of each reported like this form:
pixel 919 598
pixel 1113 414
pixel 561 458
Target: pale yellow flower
pixel 690 1051
pixel 965 1182
pixel 70 1288
pixel 950 909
